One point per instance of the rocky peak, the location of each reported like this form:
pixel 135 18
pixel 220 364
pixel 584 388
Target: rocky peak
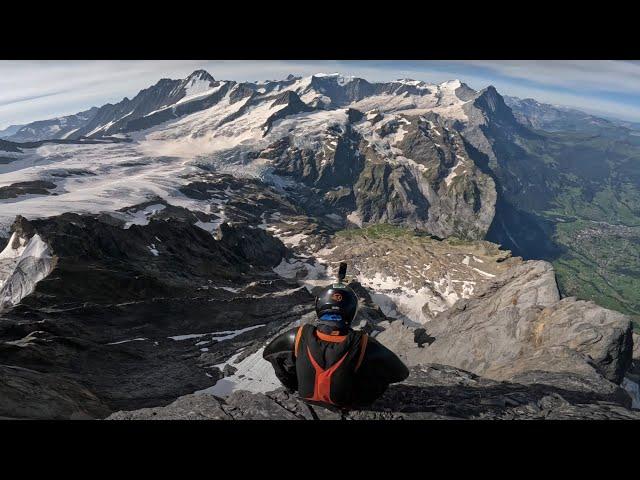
pixel 200 75
pixel 239 92
pixel 491 102
pixel 22 228
pixel 293 104
pixel 465 92
pixel 288 98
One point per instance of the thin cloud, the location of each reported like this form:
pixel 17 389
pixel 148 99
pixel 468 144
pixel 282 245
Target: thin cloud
pixel 590 75
pixel 28 98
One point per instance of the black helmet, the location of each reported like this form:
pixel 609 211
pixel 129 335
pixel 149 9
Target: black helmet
pixel 337 299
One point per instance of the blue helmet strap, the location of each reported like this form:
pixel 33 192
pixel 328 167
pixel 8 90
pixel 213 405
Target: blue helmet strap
pixel 332 320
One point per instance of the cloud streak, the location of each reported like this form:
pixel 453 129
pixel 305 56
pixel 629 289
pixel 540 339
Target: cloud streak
pixel 583 76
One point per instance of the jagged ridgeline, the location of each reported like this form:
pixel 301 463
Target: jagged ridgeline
pixel 153 246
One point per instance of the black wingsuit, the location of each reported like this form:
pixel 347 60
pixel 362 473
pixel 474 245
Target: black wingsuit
pixel 364 368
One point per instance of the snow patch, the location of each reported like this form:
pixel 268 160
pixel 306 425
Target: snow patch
pixel 142 217
pixel 253 374
pixel 218 336
pixel 294 240
pixel 399 301
pixel 198 88
pixel 484 274
pixel 9 252
pixel 309 274
pixel 139 339
pixel 34 263
pixel 354 217
pixel 210 227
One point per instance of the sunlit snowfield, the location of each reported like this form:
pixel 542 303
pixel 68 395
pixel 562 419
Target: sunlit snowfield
pixel 155 162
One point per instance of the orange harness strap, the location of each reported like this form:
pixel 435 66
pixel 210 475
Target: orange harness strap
pixel 363 348
pixel 322 387
pixel 330 338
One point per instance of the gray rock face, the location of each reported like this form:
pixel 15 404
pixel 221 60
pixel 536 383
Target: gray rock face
pixel 26 188
pixel 129 325
pixel 6 146
pixel 635 361
pixel 432 392
pixel 438 188
pixel 50 397
pixel 412 171
pixel 189 407
pixel 518 324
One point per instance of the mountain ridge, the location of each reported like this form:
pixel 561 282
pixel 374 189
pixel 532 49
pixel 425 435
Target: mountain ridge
pixel 33 131
pixel 444 158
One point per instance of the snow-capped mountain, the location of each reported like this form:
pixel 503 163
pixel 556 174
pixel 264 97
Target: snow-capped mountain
pixel 9 131
pixel 554 118
pixel 55 128
pixel 332 134
pixel 443 158
pixel 170 99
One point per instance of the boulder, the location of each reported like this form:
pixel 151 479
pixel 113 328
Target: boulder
pixel 517 324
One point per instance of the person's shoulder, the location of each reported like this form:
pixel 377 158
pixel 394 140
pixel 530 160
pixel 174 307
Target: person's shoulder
pixel 283 342
pixel 375 349
pixel 385 362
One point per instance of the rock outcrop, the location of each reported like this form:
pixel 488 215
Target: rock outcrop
pixel 135 317
pixel 432 392
pixel 26 393
pixel 517 325
pixel 413 276
pixel 391 168
pixel 527 354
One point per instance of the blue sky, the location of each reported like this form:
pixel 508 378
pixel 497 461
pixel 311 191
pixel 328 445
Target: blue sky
pixel 36 90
